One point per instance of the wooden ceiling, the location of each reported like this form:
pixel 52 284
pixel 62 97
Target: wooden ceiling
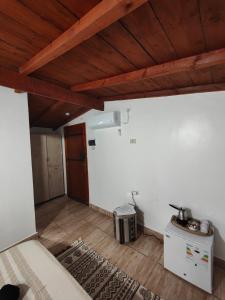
pixel 72 55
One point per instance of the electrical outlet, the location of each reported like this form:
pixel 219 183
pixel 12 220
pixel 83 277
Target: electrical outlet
pixel 133 141
pixel 135 193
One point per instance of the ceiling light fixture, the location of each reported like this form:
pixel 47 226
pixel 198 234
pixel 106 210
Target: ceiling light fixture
pixel 67 114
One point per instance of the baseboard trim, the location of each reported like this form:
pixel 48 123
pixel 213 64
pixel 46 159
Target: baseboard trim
pixel 217 261
pixel 152 232
pixel 51 199
pixel 101 210
pixel 31 237
pixel 144 229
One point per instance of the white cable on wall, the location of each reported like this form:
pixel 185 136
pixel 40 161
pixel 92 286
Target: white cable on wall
pixel 128 116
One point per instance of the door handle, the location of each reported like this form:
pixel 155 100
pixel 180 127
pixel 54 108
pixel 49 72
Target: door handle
pixel 82 156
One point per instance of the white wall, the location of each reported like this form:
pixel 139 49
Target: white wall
pixel 17 219
pixel 179 157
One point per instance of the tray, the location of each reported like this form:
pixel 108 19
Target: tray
pixel 185 228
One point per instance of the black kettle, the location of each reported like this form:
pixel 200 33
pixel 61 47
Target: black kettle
pixel 182 217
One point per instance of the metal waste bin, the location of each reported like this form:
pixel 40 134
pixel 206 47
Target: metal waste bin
pixel 125 224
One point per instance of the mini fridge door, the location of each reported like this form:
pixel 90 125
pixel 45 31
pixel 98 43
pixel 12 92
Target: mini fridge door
pixel 190 261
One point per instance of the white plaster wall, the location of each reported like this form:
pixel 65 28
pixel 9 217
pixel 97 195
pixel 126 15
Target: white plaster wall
pixel 179 157
pixel 17 218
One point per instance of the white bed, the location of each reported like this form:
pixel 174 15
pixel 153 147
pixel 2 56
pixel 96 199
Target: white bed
pixel 38 273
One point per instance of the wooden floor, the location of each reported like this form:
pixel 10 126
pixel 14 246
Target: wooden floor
pixel 62 221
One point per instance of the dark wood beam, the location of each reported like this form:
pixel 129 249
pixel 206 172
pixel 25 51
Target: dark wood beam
pixel 19 91
pixel 192 63
pixel 36 86
pixel 101 16
pixel 214 87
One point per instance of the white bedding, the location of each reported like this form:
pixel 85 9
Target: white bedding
pixel 38 273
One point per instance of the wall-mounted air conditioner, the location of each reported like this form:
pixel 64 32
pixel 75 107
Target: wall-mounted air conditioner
pixel 105 120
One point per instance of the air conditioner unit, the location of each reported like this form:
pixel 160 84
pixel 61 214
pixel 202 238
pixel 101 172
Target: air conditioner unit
pixel 105 120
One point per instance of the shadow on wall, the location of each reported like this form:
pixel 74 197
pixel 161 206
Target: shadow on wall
pixel 140 216
pixel 219 242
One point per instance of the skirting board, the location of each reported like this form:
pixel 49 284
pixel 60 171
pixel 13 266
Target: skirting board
pixel 32 237
pixel 145 229
pixel 101 210
pixel 217 261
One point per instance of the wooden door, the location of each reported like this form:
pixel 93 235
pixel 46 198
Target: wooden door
pixel 76 162
pixel 55 166
pixel 40 168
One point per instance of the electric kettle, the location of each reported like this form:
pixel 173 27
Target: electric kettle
pixel 182 216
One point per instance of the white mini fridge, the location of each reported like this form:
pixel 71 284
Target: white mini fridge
pixel 189 256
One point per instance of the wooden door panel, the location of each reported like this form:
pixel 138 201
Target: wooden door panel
pixel 55 166
pixel 76 162
pixel 75 147
pixel 77 180
pixel 56 181
pixel 54 148
pixel 40 169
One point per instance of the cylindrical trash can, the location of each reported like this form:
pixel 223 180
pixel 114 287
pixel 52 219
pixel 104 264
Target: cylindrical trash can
pixel 125 224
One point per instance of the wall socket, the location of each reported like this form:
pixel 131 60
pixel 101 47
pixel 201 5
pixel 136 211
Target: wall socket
pixel 135 193
pixel 133 141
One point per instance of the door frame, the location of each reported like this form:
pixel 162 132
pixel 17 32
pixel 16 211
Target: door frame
pixel 77 129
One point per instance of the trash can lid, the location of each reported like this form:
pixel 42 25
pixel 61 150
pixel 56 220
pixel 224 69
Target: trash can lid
pixel 125 210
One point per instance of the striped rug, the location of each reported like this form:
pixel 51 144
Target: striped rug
pixel 99 277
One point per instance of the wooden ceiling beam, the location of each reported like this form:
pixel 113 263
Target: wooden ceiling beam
pixel 214 87
pixel 98 18
pixel 36 86
pixel 191 63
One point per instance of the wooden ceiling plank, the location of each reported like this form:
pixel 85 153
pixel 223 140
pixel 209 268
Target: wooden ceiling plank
pixel 76 8
pixel 46 112
pixel 23 15
pixel 123 41
pixel 213 22
pixel 144 26
pixel 22 33
pixel 72 116
pixel 92 60
pixel 53 12
pixel 195 62
pixel 147 30
pixel 116 35
pixel 37 105
pixel 104 57
pixel 98 18
pixel 182 24
pixel 170 92
pixel 35 86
